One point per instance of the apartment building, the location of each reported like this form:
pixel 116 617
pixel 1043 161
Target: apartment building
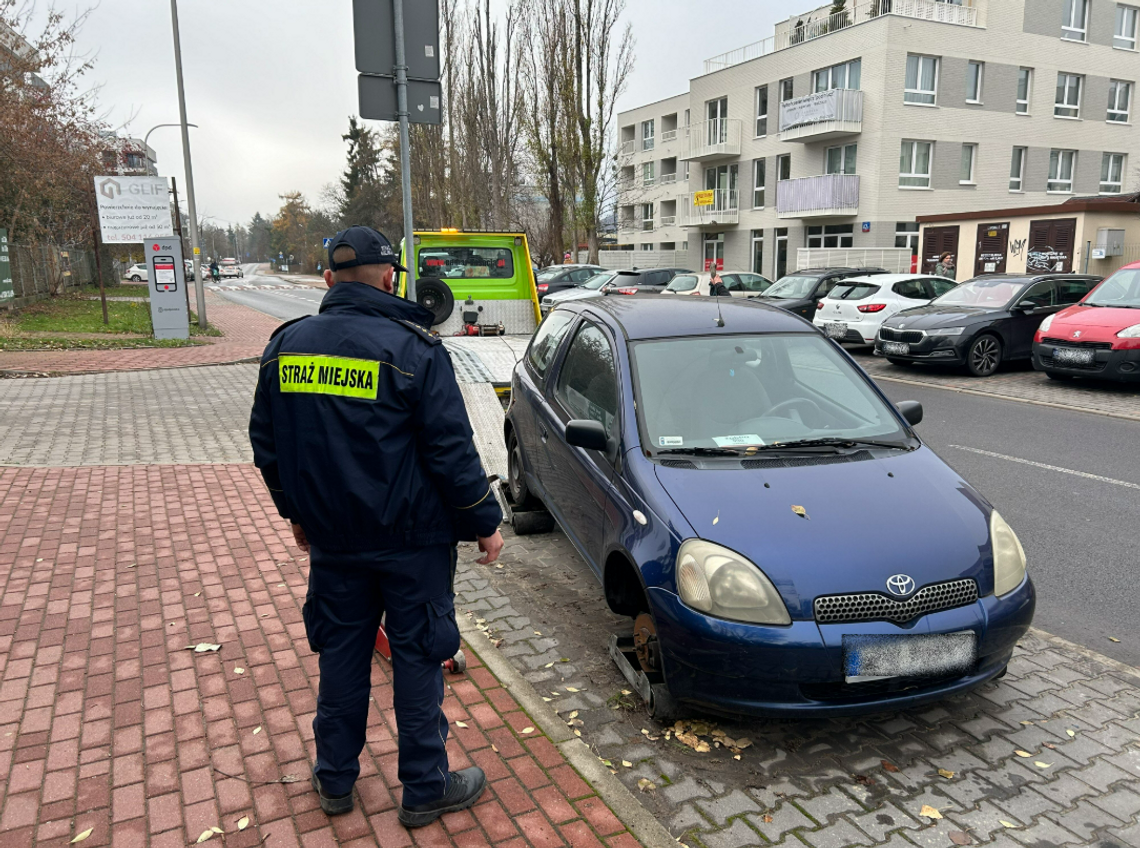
pixel 840 129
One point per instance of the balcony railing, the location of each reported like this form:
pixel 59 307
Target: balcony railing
pixel 628 147
pixel 668 136
pixel 648 181
pixel 818 197
pixel 713 139
pixel 668 220
pixel 706 208
pixel 801 28
pixel 822 116
pixel 669 179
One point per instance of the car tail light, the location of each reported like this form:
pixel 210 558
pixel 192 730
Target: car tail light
pixel 627 290
pixel 872 307
pixel 819 305
pixel 542 288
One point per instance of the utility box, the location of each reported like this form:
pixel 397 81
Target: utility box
pixel 1109 241
pixel 169 312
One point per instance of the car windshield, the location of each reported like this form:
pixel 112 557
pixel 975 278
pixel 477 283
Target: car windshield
pixel 793 287
pixel 597 281
pixel 1122 289
pixel 682 283
pixel 990 294
pixel 739 391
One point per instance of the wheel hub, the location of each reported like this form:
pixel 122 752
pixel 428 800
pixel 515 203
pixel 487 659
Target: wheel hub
pixel 645 643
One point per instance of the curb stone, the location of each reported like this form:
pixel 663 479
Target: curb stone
pixel 643 824
pixel 1123 668
pixel 14 374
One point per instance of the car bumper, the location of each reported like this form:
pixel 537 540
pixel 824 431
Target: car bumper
pixel 1121 365
pixel 936 350
pixel 858 332
pixel 797 670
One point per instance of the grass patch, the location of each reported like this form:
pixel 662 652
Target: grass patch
pixel 74 322
pixel 41 343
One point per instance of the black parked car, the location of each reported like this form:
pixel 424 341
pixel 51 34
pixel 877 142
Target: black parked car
pixel 801 291
pixel 646 281
pixel 981 323
pixel 556 278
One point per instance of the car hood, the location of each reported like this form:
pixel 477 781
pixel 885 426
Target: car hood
pixel 784 302
pixel 934 315
pixel 1094 323
pixel 865 521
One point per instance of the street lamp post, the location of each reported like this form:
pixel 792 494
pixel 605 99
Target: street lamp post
pixel 199 288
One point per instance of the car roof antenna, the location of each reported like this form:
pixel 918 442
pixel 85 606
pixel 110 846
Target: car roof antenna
pixel 719 317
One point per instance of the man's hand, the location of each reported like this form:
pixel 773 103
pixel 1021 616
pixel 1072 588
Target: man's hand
pixel 491 546
pixel 303 542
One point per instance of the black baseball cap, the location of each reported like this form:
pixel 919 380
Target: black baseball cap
pixel 371 246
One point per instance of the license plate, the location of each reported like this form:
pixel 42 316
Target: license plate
pixel 1073 356
pixel 835 329
pixel 896 348
pixel 936 655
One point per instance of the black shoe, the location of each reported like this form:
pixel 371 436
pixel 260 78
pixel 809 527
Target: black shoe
pixel 333 805
pixel 463 790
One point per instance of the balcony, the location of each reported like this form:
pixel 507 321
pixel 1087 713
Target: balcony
pixel 668 136
pixel 717 139
pixel 829 196
pixel 799 29
pixel 627 226
pixel 823 116
pixel 669 179
pixel 709 208
pixel 668 220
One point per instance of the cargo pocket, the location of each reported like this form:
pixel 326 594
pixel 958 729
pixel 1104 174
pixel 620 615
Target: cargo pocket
pixel 312 618
pixel 442 638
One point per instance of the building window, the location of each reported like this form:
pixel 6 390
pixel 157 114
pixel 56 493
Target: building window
pixel 1119 101
pixel 758 252
pixel 906 235
pixel 1112 173
pixel 1017 169
pixel 649 173
pixel 686 117
pixel 1061 166
pixel 647 246
pixel 1024 89
pixel 921 79
pixel 833 235
pixel 761 111
pixel 781 252
pixel 784 167
pixel 647 217
pixel 914 164
pixel 1125 36
pixel 1068 103
pixel 1075 20
pixel 647 135
pixel 686 170
pixel 845 75
pixel 759 178
pixel 975 71
pixel 969 162
pixel 684 245
pixel 787 90
pixel 841 160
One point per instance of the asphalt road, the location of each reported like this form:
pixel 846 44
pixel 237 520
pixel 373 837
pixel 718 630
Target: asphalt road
pixel 286 304
pixel 1069 485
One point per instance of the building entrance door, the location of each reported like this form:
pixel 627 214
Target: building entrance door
pixel 714 251
pixel 992 249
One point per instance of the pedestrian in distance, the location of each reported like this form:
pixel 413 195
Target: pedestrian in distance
pixel 360 432
pixel 215 273
pixel 945 266
pixel 717 288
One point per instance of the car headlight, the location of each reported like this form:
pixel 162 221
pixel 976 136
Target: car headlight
pixel 1048 322
pixel 946 331
pixel 1009 556
pixel 1132 332
pixel 721 583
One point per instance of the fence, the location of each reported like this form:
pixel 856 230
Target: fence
pixel 628 260
pixel 896 260
pixel 39 271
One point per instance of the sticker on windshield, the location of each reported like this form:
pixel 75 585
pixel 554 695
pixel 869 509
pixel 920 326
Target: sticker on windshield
pixel 737 441
pixel 671 441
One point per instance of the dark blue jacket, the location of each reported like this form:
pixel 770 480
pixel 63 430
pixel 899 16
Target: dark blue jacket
pixel 360 431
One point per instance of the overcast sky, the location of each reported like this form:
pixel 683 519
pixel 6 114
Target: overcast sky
pixel 272 82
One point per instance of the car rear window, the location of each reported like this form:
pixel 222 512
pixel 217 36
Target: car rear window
pixel 448 263
pixel 682 283
pixel 846 291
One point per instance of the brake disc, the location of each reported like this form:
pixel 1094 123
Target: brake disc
pixel 645 642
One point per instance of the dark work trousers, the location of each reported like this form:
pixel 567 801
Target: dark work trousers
pixel 347 595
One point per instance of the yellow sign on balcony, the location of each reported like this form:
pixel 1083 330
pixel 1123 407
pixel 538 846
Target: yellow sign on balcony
pixel 704 198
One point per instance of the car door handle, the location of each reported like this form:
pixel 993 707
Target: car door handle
pixel 544 434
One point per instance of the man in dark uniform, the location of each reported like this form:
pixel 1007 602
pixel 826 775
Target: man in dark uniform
pixel 360 432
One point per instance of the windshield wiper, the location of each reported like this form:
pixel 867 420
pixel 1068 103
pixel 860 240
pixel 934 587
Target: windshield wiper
pixel 700 451
pixel 832 443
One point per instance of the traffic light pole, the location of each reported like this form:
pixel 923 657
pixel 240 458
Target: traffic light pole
pixel 405 144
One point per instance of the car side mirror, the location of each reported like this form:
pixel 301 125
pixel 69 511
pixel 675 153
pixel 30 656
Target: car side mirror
pixel 1026 306
pixel 911 412
pixel 587 433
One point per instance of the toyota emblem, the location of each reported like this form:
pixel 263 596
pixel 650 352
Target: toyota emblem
pixel 900 584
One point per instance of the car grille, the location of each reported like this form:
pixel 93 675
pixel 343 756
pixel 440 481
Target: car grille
pixel 872 606
pixel 1047 361
pixel 888 334
pixel 1085 345
pixel 805 461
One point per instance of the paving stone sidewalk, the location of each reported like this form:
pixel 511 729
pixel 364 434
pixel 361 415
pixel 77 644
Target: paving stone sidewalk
pixel 108 723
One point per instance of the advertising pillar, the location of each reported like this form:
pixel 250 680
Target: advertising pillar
pixel 167 280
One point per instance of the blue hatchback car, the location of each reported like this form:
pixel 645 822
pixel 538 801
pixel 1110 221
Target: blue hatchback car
pixel 783 541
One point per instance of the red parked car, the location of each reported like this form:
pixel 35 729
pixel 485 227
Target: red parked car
pixel 1099 337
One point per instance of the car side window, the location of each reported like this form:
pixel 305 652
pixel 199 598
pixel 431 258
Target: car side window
pixel 1039 295
pixel 546 341
pixel 912 289
pixel 939 286
pixel 732 282
pixel 827 285
pixel 581 275
pixel 587 384
pixel 1072 291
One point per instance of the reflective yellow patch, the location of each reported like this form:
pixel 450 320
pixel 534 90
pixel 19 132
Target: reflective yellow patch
pixel 329 375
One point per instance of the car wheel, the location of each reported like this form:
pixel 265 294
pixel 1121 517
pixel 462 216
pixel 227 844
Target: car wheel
pixel 135 278
pixel 437 298
pixel 984 356
pixel 533 523
pixel 516 476
pixel 661 705
pixel 1053 375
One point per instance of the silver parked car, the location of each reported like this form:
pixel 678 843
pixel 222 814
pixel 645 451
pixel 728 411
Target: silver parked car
pixel 590 288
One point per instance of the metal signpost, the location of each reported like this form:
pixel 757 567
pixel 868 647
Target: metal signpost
pixel 166 277
pixel 395 70
pixel 7 289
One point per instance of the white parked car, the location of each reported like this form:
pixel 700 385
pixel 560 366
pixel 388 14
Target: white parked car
pixel 230 268
pixel 136 273
pixel 738 283
pixel 856 308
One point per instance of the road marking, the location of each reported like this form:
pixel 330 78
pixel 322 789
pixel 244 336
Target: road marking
pixel 1056 468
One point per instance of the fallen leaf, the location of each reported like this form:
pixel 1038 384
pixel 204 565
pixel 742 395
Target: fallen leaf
pixel 800 511
pixel 716 520
pixel 767 819
pixel 1023 754
pixel 736 756
pixel 743 743
pixel 644 732
pixel 1004 823
pixel 289 778
pixel 571 689
pixel 548 700
pixel 257 730
pixel 573 714
pixel 527 730
pixel 206 834
pixel 81 836
pixel 1027 723
pixel 606 763
pixel 946 774
pixel 197 594
pixel 577 732
pixel 646 785
pixel 549 665
pixel 1113 639
pixel 495 748
pixel 627 763
pixel 864 780
pixel 959 837
pixel 702 747
pixel 929 812
pixel 460 724
pixel 1040 764
pixel 626 692
pixel 203 647
pixel 1050 746
pixel 1072 734
pixel 889 766
pixel 217 829
pixel 239 670
pixel 243 822
pixel 538 633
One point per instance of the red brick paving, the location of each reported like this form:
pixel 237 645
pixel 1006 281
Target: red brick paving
pixel 246 331
pixel 106 574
